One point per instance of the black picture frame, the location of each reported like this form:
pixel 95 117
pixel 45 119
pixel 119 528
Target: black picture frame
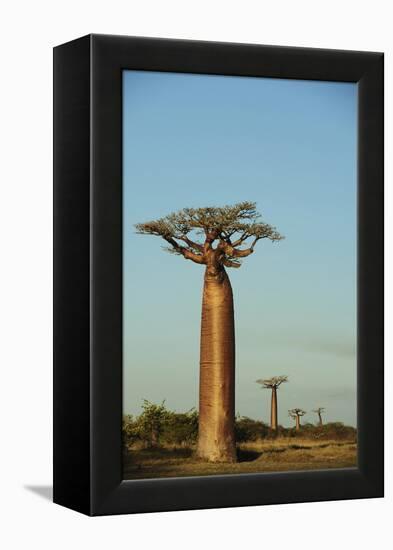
pixel 88 274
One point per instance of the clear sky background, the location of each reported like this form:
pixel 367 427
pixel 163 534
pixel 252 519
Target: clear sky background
pixel 200 140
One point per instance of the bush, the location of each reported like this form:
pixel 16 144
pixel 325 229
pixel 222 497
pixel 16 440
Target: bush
pixel 147 427
pixel 180 428
pixel 332 430
pixel 159 426
pixel 247 429
pixel 130 431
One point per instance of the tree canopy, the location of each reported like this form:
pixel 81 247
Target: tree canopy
pixel 198 234
pixel 293 413
pixel 273 382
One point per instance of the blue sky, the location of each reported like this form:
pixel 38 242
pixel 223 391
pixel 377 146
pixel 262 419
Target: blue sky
pixel 201 140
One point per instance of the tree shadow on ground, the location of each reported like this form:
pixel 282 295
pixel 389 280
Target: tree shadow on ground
pixel 247 456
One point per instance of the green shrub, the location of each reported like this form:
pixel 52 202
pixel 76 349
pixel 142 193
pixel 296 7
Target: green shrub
pixel 247 429
pixel 332 430
pixel 157 425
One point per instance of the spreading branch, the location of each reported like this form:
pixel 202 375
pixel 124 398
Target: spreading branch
pixel 293 413
pixel 319 410
pixel 196 233
pixel 274 382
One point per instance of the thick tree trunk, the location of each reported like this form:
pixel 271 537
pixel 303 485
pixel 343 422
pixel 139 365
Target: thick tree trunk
pixel 216 439
pixel 298 423
pixel 273 415
pixel 320 419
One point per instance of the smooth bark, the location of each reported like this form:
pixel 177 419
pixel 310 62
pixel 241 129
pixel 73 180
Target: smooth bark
pixel 216 441
pixel 273 414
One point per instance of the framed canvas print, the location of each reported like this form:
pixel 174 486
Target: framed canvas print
pixel 218 275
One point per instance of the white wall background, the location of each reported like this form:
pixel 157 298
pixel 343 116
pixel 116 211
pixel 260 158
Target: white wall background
pixel 28 32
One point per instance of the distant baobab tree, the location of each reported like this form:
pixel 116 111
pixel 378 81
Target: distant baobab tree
pixel 319 411
pixel 273 384
pixel 296 414
pixel 213 237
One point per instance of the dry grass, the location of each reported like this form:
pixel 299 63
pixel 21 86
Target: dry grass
pixel 282 454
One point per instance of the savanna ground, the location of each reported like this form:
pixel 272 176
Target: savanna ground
pixel 264 455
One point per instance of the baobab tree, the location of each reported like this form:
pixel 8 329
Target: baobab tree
pixel 214 237
pixel 319 411
pixel 296 414
pixel 273 384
